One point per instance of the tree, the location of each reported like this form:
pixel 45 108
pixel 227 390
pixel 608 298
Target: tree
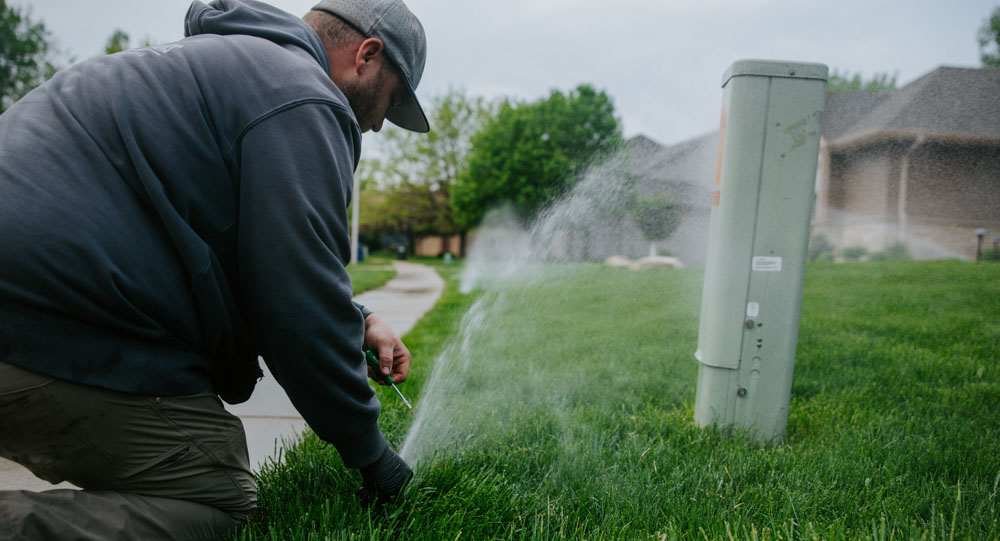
pixel 408 188
pixel 118 42
pixel 657 218
pixel 25 54
pixel 989 40
pixel 880 82
pixel 531 153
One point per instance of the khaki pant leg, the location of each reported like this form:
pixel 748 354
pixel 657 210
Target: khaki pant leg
pixel 165 467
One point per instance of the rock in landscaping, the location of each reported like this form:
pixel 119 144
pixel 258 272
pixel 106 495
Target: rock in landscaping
pixel 618 261
pixel 656 262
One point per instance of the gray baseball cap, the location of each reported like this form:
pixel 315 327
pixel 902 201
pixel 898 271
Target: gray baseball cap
pixel 405 44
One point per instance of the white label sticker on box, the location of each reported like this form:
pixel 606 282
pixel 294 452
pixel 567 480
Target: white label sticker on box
pixel 767 264
pixel 753 309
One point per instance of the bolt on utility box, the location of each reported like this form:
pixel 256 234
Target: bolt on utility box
pixel 758 236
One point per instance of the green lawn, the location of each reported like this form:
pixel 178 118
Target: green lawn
pixel 371 273
pixel 563 409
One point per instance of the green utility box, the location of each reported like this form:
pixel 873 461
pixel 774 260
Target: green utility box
pixel 758 237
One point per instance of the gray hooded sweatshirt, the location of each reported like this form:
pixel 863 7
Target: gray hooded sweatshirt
pixel 169 213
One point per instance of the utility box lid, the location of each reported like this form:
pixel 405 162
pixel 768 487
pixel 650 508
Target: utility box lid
pixel 771 68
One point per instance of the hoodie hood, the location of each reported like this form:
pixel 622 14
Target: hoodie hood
pixel 252 18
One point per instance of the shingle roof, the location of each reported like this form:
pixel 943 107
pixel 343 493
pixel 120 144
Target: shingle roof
pixel 948 101
pixel 845 108
pixel 685 170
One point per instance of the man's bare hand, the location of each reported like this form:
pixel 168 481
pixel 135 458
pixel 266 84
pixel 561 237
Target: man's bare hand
pixel 393 357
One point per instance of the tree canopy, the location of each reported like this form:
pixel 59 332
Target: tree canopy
pixel 25 54
pixel 531 153
pixel 657 217
pixel 407 188
pixel 880 82
pixel 118 42
pixel 989 40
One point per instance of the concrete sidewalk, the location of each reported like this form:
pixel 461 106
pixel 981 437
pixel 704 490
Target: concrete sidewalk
pixel 268 416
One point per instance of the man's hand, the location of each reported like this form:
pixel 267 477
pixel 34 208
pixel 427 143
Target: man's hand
pixel 393 357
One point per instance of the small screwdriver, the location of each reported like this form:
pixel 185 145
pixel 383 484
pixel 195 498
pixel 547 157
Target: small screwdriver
pixel 373 362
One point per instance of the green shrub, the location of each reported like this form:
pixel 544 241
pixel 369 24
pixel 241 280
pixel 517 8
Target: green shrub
pixel 895 252
pixel 990 255
pixel 854 253
pixel 820 248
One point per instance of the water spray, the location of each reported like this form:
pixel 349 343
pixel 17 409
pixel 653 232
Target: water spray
pixel 373 362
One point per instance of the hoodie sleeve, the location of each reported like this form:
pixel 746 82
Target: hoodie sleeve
pixel 295 184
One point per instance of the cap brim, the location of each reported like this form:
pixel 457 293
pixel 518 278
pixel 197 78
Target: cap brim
pixel 409 116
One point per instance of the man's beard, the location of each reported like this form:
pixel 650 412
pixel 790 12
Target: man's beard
pixel 364 100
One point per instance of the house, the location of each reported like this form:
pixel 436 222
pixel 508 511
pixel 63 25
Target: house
pixel 436 245
pixel 919 165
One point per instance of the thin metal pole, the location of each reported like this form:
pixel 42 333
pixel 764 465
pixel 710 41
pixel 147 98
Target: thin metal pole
pixel 355 221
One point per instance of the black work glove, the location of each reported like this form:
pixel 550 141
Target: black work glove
pixel 384 479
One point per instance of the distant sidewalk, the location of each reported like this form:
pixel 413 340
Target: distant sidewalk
pixel 402 301
pixel 268 416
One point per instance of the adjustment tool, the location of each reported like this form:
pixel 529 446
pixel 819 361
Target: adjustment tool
pixel 373 362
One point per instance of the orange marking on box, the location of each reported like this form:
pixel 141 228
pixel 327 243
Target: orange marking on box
pixel 722 147
pixel 716 196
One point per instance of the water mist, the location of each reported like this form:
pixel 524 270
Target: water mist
pixel 484 384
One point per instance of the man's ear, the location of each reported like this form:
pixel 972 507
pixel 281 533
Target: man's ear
pixel 369 51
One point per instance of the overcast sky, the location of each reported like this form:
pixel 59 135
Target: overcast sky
pixel 661 61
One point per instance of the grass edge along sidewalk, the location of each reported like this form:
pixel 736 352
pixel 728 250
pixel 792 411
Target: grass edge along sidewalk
pixel 371 273
pixel 893 427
